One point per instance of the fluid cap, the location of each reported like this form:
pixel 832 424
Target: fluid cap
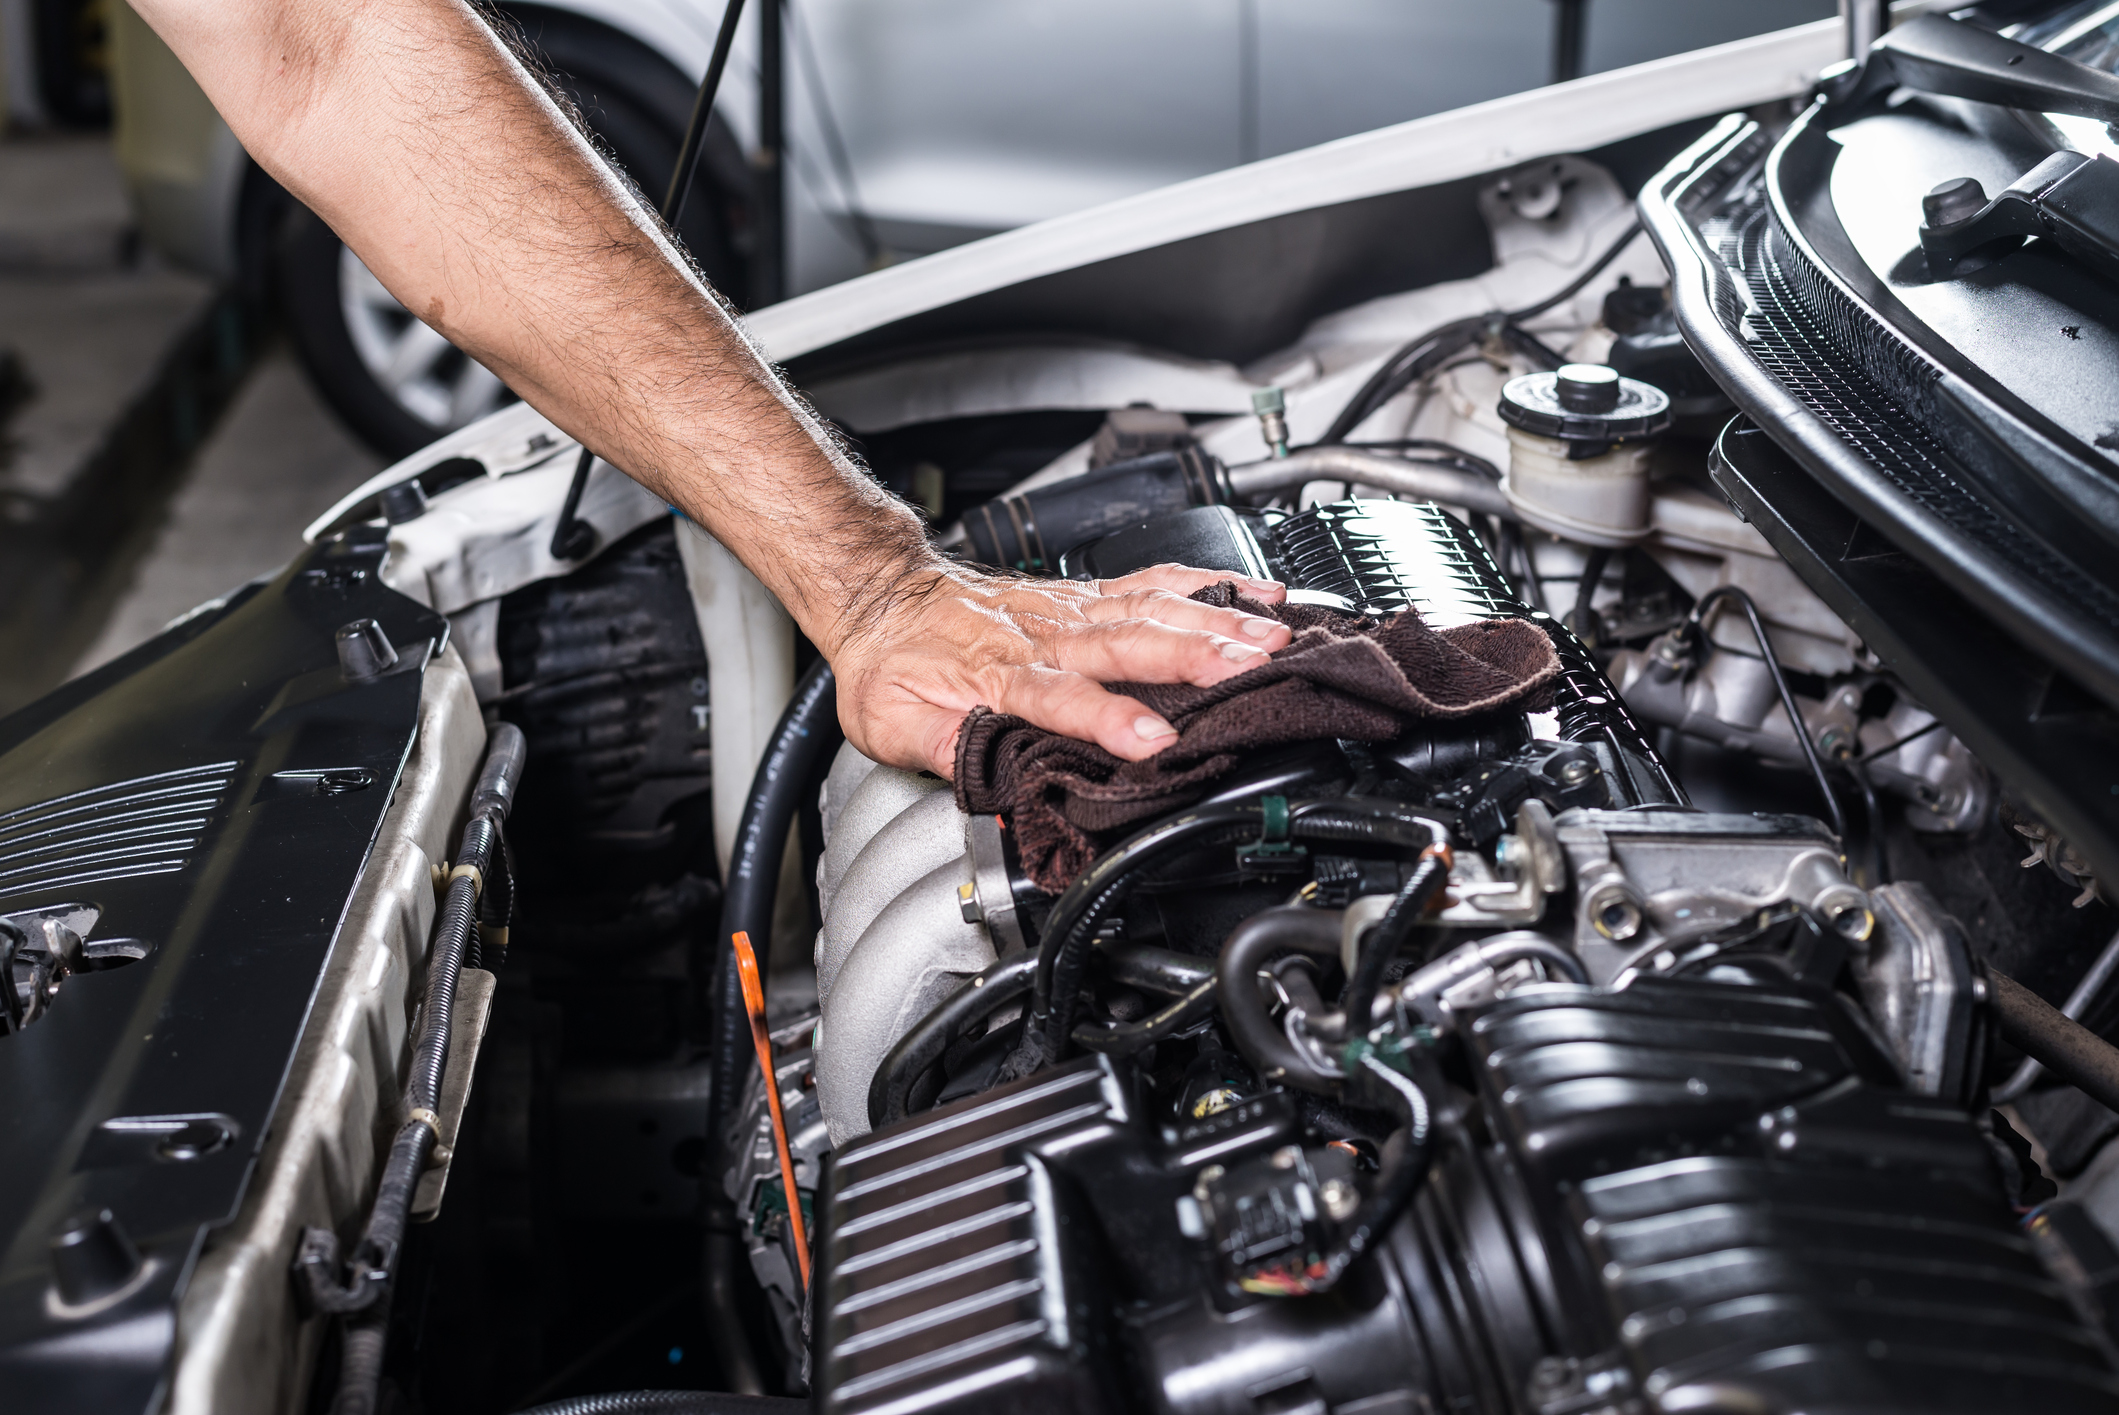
pixel 364 651
pixel 1585 403
pixel 1587 388
pixel 91 1257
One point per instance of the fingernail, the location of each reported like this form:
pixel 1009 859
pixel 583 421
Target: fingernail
pixel 1259 628
pixel 1152 729
pixel 1240 653
pixel 1263 584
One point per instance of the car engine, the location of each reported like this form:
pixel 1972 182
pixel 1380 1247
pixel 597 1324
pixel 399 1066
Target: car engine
pixel 1650 1107
pixel 454 975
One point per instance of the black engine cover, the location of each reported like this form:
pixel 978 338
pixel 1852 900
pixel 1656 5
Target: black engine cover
pixel 1698 1195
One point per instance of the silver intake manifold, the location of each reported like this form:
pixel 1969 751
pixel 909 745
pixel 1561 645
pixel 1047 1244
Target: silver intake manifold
pixel 896 937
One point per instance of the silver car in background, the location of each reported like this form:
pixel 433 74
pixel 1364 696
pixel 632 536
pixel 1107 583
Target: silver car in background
pixel 910 127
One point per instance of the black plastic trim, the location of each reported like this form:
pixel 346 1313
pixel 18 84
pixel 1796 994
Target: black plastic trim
pixel 2050 616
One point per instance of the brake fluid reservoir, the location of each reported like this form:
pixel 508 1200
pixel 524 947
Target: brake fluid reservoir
pixel 1578 445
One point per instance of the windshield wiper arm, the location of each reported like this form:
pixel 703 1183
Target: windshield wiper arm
pixel 2069 199
pixel 1937 55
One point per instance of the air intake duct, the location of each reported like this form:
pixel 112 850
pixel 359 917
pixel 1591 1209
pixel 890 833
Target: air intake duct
pixel 1031 530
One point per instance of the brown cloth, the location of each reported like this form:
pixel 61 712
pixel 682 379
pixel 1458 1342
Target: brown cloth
pixel 1342 676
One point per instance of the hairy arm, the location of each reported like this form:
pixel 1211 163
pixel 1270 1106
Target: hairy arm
pixel 411 129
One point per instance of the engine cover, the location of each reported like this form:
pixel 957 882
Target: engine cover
pixel 1694 1196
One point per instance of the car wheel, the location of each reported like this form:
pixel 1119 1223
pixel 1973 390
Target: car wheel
pixel 396 382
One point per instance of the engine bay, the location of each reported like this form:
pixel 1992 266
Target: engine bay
pixel 1714 1025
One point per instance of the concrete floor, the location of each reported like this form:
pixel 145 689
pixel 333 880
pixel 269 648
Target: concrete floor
pixel 277 459
pixel 90 324
pixel 91 320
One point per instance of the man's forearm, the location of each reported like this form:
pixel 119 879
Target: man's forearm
pixel 413 131
pixel 420 139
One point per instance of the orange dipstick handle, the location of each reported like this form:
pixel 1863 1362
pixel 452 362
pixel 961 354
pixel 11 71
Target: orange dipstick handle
pixel 754 1003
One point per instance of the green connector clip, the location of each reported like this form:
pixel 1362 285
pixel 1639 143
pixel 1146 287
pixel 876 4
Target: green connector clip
pixel 1273 852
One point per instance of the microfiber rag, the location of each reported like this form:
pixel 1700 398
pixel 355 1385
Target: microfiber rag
pixel 1341 677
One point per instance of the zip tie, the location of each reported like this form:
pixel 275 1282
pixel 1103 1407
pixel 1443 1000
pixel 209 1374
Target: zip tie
pixel 471 873
pixel 425 1117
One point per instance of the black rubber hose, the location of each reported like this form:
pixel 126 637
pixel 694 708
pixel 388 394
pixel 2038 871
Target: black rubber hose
pixel 1575 286
pixel 1127 1038
pixel 1160 970
pixel 2050 1037
pixel 1421 356
pixel 1531 347
pixel 1251 944
pixel 1071 930
pixel 805 737
pixel 1408 908
pixel 673 1402
pixel 1780 685
pixel 1080 911
pixel 890 1089
pixel 1412 362
pixel 1448 454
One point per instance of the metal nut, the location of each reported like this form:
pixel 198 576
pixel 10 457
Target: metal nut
pixel 1614 913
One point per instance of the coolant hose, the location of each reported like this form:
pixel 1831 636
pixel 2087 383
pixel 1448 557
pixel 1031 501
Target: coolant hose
pixel 673 1402
pixel 806 735
pixel 1251 944
pixel 2056 1041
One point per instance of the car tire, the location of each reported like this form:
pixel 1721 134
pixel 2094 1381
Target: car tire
pixel 398 385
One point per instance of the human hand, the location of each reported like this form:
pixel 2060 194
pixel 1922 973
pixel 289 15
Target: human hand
pixel 952 638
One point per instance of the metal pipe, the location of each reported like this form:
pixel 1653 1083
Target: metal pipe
pixel 1865 22
pixel 2074 1009
pixel 769 163
pixel 1570 25
pixel 1393 474
pixel 2068 1049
